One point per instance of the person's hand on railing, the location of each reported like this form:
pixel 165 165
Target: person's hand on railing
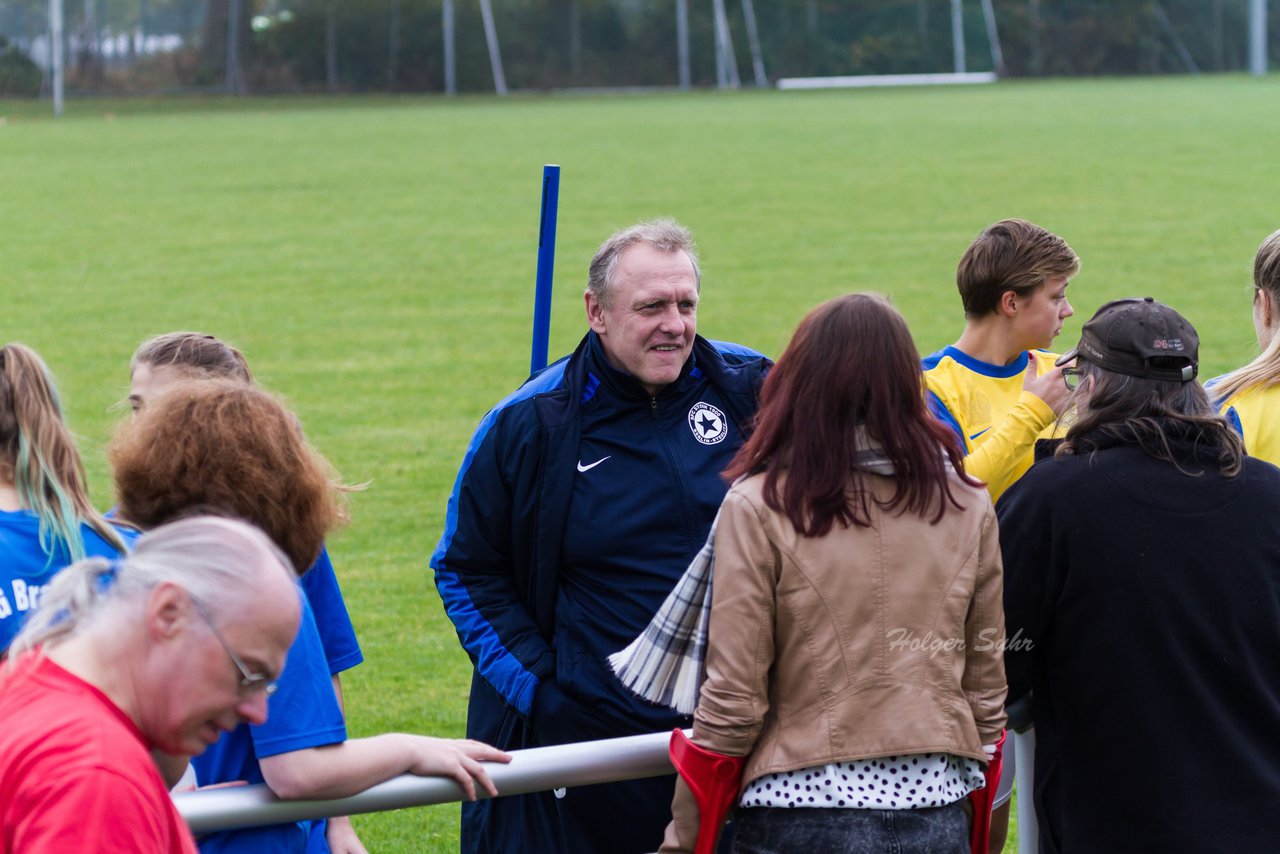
pixel 458 758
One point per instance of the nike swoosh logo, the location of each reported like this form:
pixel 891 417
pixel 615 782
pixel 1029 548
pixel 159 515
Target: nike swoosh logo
pixel 976 435
pixel 581 467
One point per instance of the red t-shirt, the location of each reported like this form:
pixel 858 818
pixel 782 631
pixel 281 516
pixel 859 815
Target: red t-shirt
pixel 75 772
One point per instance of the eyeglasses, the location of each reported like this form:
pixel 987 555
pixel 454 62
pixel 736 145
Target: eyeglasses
pixel 250 682
pixel 1072 377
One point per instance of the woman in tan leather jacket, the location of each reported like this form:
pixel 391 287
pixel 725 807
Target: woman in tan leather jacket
pixel 856 634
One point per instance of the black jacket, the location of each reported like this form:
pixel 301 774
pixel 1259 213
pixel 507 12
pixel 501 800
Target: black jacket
pixel 497 566
pixel 1142 607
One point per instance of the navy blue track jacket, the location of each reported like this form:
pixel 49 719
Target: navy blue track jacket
pixel 498 565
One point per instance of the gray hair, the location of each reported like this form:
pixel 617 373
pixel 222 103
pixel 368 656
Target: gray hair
pixel 217 560
pixel 665 235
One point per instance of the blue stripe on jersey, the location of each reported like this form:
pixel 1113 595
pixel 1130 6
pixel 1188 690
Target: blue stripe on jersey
pixel 1214 399
pixel 727 348
pixel 494 662
pixel 735 349
pixel 940 411
pixel 589 388
pixel 1233 418
pixel 499 667
pixel 978 366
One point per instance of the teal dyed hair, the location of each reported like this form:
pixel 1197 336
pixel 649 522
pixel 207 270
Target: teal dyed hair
pixel 41 457
pixel 45 495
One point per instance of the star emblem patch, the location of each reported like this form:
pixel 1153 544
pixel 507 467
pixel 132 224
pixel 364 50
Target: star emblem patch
pixel 708 424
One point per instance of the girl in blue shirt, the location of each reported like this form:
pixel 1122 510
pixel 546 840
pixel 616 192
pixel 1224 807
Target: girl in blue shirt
pixel 46 519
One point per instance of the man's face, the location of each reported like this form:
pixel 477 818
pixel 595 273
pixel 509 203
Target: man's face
pixel 1041 315
pixel 648 327
pixel 149 381
pixel 197 695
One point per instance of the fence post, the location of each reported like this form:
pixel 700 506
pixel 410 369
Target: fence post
pixel 1258 37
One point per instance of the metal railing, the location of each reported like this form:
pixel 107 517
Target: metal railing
pixel 534 770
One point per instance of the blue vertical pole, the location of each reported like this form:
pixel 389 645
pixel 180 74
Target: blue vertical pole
pixel 546 267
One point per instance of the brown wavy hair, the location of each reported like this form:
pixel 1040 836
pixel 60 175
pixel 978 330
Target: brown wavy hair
pixel 232 449
pixel 851 364
pixel 1148 413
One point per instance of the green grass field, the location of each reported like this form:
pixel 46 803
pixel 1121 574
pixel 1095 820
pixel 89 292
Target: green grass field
pixel 375 261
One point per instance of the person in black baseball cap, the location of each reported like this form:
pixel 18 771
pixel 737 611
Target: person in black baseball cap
pixel 1138 338
pixel 1142 581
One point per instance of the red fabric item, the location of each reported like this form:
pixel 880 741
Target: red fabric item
pixel 982 800
pixel 76 773
pixel 713 778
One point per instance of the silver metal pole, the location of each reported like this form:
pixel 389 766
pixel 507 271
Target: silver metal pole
pixel 450 57
pixel 235 79
pixel 753 40
pixel 993 36
pixel 55 52
pixel 1258 37
pixel 957 35
pixel 682 42
pixel 722 72
pixel 1025 766
pixel 1179 48
pixel 724 50
pixel 535 770
pixel 495 56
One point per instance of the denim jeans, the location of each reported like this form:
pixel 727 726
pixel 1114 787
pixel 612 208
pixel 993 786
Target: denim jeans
pixel 934 830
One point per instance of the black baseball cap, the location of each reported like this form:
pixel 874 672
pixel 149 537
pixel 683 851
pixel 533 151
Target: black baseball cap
pixel 1140 338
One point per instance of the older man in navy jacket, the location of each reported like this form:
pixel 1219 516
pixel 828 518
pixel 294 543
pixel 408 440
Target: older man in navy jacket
pixel 580 501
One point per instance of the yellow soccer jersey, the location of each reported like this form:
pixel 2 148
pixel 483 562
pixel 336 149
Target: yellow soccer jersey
pixel 986 406
pixel 1255 413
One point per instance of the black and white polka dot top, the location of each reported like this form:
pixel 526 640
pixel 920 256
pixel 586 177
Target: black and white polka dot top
pixel 883 783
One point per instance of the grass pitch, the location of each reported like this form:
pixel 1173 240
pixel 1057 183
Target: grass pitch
pixel 374 258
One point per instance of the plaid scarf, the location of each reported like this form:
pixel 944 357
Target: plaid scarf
pixel 666 664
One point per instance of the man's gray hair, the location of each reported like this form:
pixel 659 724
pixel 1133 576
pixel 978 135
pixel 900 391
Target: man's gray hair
pixel 217 560
pixel 665 235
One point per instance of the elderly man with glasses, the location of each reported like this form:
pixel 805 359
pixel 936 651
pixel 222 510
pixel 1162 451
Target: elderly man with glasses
pixel 163 649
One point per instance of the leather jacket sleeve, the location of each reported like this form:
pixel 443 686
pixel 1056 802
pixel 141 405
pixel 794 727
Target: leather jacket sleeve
pixel 983 681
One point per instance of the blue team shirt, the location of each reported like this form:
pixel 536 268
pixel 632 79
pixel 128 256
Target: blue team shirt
pixel 25 568
pixel 303 713
pixel 341 649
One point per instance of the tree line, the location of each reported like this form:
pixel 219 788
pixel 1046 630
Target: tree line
pixel 398 45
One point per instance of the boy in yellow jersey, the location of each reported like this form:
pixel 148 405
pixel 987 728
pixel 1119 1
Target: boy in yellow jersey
pixel 996 387
pixel 1249 397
